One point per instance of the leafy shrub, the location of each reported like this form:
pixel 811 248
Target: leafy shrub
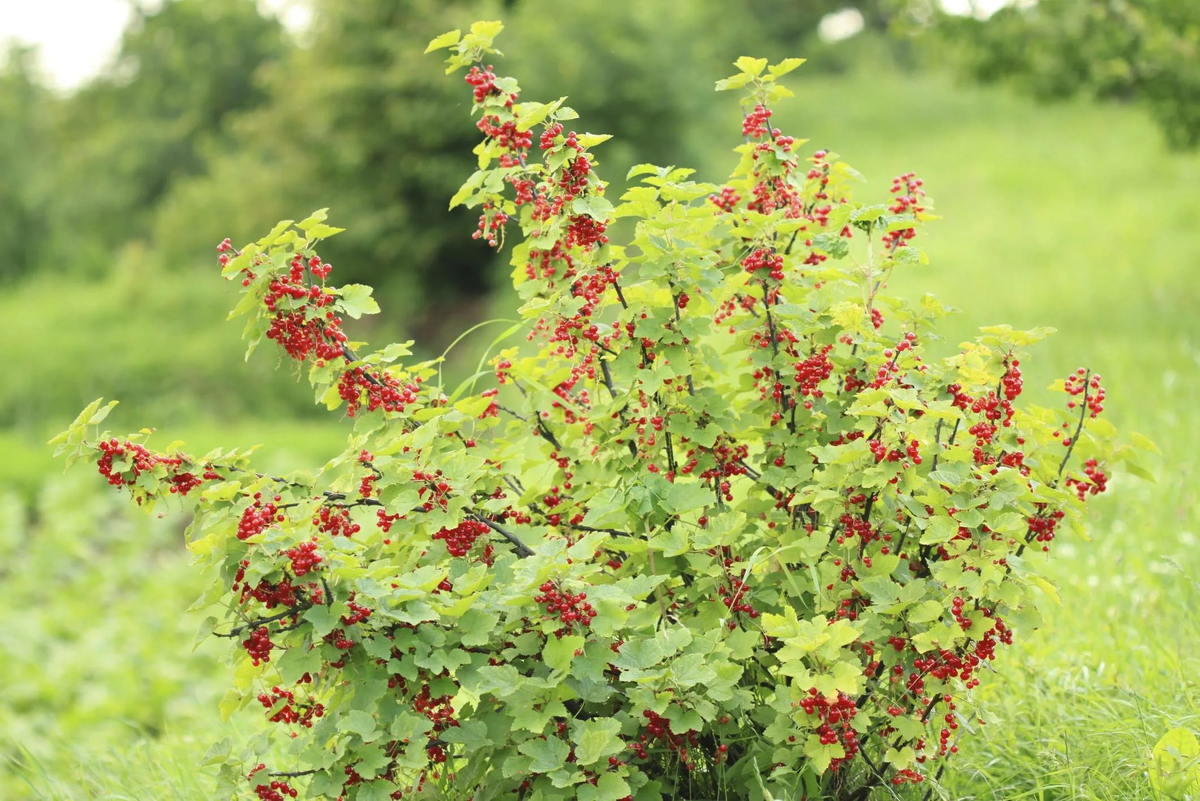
pixel 723 528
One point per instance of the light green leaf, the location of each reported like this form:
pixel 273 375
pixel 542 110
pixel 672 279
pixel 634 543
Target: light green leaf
pixel 360 723
pixel 593 206
pixel 559 651
pixel 785 66
pixel 448 39
pixel 596 739
pixel 750 65
pixel 941 529
pixel 357 300
pixel 546 755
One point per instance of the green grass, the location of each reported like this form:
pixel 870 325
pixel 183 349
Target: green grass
pixel 162 769
pixel 1072 216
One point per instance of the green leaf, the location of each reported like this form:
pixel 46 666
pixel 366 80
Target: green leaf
pixel 941 529
pixel 1175 764
pixel 360 723
pixel 821 755
pixel 900 758
pixel 734 82
pixel 846 677
pixel 683 498
pixel 593 206
pixel 559 651
pixel 317 216
pixel 531 114
pixel 643 169
pixel 476 627
pixel 98 416
pixel 591 140
pixel 448 39
pixel 276 232
pixel 692 669
pixel 318 232
pixel 1048 588
pixel 546 754
pixel 609 787
pixel 596 739
pixel 298 661
pixel 672 541
pixel 785 66
pixel 487 28
pixel 925 612
pixel 750 65
pixel 640 654
pixel 357 300
pixel 469 187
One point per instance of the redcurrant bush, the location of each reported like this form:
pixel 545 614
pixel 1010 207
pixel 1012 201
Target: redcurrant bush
pixel 720 527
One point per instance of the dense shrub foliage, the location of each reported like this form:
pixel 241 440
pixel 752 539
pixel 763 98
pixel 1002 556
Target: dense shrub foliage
pixel 721 528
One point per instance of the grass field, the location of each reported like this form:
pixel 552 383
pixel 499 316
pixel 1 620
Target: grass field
pixel 1070 216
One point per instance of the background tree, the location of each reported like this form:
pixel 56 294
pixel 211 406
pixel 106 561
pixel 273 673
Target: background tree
pixel 125 139
pixel 24 123
pixel 1134 50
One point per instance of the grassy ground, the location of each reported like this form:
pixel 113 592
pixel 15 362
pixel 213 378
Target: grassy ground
pixel 1070 216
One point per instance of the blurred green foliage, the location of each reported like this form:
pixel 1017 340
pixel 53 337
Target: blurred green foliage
pixel 24 126
pixel 1133 50
pixel 108 585
pixel 212 121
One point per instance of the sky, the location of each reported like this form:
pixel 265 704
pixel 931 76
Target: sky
pixel 78 37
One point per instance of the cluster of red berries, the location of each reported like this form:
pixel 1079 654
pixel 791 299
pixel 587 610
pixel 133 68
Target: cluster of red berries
pixel 438 709
pixel 385 522
pixel 375 389
pixel 340 641
pixel 1096 483
pixel 1011 382
pixel 491 225
pixel 1078 383
pixel 907 776
pixel 506 134
pixel 754 124
pixel 1041 527
pixel 585 233
pixel 461 539
pixel 435 487
pixel 956 609
pixel 259 645
pixel 335 521
pixel 659 728
pixel 544 264
pixel 258 517
pixel 288 298
pixel 881 452
pixel 836 722
pixel 140 460
pixel 290 711
pixel 764 259
pixel 571 609
pixel 727 200
pixel 275 791
pixel 734 598
pixel 483 82
pixel 267 593
pixel 908 192
pixel 811 372
pixel 771 194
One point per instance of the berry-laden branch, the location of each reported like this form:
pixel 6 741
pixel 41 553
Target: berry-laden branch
pixel 557 587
